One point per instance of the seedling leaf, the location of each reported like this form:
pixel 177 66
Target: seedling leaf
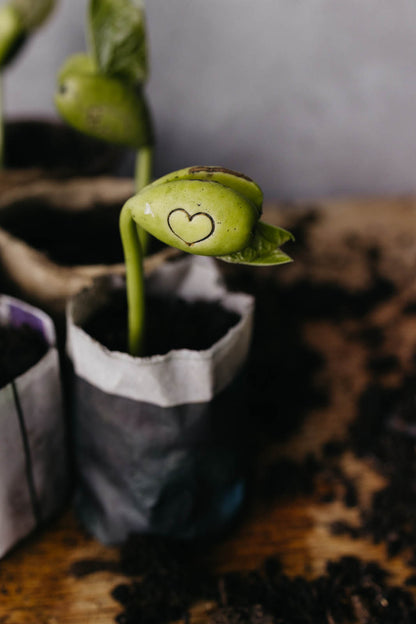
pixel 264 249
pixel 118 38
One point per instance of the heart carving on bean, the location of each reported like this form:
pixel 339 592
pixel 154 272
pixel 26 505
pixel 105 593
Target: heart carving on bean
pixel 191 229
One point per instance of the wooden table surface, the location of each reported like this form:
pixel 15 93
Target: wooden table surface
pixel 338 243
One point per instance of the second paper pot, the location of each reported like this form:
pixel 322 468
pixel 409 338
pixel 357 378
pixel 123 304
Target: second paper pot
pixel 34 476
pixel 159 441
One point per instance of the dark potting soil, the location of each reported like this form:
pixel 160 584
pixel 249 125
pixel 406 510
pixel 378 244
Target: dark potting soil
pixel 20 349
pixel 90 237
pixel 68 238
pixel 171 323
pixel 58 148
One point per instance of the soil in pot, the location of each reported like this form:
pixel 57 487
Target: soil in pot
pixel 20 349
pixel 58 149
pixel 171 323
pixel 69 238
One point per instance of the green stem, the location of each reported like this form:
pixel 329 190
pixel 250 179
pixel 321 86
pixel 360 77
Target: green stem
pixel 142 177
pixel 143 169
pixel 1 124
pixel 135 282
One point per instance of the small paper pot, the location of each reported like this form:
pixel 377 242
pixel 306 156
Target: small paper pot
pixel 159 440
pixel 57 235
pixel 33 466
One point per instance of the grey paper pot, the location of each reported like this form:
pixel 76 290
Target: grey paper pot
pixel 158 443
pixel 33 457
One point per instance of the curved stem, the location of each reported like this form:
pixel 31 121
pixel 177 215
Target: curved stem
pixel 133 257
pixel 142 177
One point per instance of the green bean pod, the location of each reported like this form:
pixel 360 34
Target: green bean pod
pixel 209 211
pixel 102 107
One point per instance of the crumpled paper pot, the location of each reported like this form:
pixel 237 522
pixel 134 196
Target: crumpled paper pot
pixel 159 441
pixel 33 457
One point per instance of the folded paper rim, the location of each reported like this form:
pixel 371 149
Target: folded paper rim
pixel 15 312
pixel 159 379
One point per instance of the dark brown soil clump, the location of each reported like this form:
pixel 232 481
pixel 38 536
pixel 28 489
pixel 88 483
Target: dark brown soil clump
pixel 171 323
pixel 391 517
pixel 20 349
pixel 171 580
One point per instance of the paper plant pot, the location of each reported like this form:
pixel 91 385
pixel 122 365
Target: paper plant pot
pixel 57 235
pixel 158 440
pixel 33 466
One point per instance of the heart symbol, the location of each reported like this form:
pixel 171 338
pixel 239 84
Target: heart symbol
pixel 191 229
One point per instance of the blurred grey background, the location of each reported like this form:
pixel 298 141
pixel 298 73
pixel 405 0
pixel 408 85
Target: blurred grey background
pixel 308 97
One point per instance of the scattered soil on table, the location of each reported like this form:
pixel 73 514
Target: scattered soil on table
pixel 20 349
pixel 169 577
pixel 172 579
pixel 283 378
pixel 283 369
pixel 171 323
pixel 84 567
pixel 391 517
pixel 384 431
pixel 301 229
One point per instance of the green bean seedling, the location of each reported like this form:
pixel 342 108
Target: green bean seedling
pixel 18 20
pixel 208 211
pixel 101 93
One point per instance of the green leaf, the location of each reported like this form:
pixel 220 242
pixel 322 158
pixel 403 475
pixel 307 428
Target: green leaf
pixel 264 249
pixel 118 38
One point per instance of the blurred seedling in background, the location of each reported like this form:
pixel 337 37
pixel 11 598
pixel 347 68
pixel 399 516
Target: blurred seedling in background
pixel 19 19
pixel 101 93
